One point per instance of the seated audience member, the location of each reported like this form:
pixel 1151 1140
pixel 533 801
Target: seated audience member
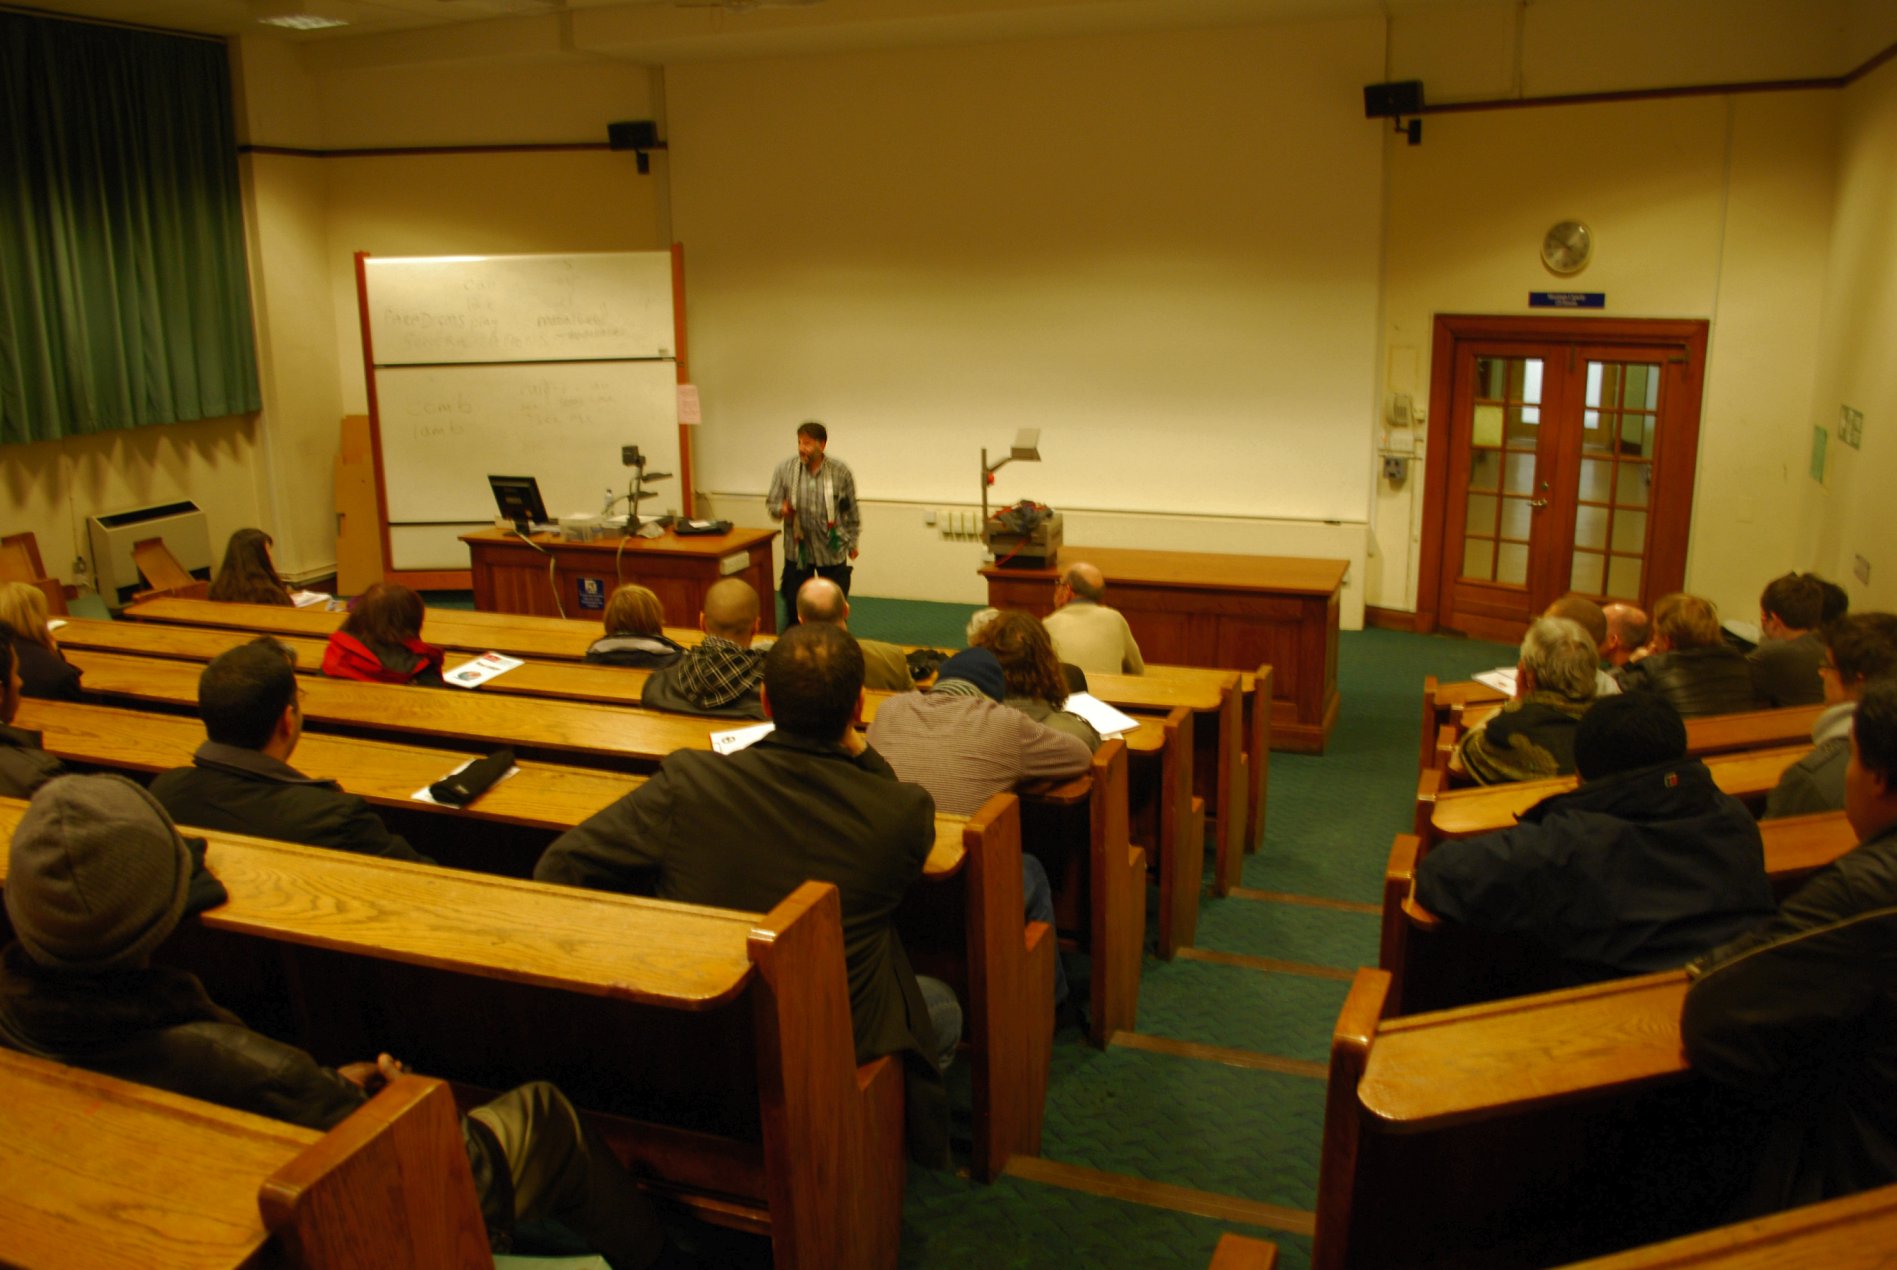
pixel 1690 663
pixel 1032 674
pixel 959 742
pixel 241 781
pixel 98 878
pixel 1858 648
pixel 635 632
pixel 44 671
pixel 1645 865
pixel 1088 633
pixel 1073 676
pixel 248 574
pixel 1627 633
pixel 381 640
pixel 885 666
pixel 1533 735
pixel 1577 608
pixel 1785 664
pixel 24 766
pixel 720 676
pixel 1837 601
pixel 809 800
pixel 1799 1017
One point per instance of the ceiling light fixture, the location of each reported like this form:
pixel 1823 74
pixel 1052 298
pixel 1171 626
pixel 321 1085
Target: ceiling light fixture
pixel 294 15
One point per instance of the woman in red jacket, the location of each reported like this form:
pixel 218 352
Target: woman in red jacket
pixel 381 640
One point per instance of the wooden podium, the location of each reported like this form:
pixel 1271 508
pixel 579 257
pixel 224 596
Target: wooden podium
pixel 510 573
pixel 1235 612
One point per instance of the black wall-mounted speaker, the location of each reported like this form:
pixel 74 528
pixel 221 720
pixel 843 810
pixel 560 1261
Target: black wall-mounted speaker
pixel 1388 101
pixel 639 134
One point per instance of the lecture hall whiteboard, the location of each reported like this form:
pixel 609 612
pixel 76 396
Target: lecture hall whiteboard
pixel 538 366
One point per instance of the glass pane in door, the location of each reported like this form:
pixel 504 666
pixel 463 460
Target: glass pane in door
pixel 1621 412
pixel 1505 429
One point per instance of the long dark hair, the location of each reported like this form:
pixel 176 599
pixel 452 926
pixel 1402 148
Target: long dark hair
pixel 1021 644
pixel 247 576
pixel 387 613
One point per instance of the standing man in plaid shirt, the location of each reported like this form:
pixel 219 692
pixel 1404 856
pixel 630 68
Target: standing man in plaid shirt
pixel 815 497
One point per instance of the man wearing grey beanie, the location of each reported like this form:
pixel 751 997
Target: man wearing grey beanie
pixel 98 878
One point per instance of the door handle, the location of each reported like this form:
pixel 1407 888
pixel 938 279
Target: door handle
pixel 1538 503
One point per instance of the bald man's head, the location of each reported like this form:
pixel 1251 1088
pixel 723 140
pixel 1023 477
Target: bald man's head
pixel 1085 581
pixel 730 611
pixel 821 600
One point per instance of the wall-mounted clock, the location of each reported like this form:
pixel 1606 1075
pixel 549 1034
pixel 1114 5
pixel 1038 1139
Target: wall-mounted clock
pixel 1567 247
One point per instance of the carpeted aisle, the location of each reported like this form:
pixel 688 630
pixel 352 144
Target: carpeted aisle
pixel 1187 1145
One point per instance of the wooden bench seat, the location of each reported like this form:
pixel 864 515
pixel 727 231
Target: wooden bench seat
pixel 1002 970
pixel 1522 1132
pixel 1237 1252
pixel 621 736
pixel 1240 745
pixel 713 1046
pixel 1705 736
pixel 1748 775
pixel 1435 964
pixel 1856 1232
pixel 104 1172
pixel 1180 867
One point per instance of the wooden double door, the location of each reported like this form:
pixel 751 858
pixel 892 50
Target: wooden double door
pixel 1563 452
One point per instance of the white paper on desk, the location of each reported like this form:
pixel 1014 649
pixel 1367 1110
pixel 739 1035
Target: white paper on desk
pixel 423 796
pixel 310 599
pixel 472 674
pixel 1106 720
pixel 1502 679
pixel 54 623
pixel 740 738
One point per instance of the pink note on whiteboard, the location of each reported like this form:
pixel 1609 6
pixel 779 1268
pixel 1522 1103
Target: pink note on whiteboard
pixel 688 403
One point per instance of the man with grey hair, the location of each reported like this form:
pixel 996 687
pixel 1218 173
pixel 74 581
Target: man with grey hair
pixel 885 666
pixel 1533 736
pixel 1085 631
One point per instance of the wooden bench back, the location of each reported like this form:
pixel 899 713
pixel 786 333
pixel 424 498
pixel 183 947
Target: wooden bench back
pixel 966 927
pixel 715 1046
pixel 20 562
pixel 1523 1132
pixel 1748 775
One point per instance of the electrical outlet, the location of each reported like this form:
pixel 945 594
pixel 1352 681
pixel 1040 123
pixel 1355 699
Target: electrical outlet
pixel 79 566
pixel 1861 568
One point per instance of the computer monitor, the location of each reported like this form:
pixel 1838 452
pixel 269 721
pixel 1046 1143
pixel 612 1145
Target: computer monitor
pixel 518 497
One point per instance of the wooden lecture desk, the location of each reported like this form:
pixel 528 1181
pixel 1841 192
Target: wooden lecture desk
pixel 1236 612
pixel 510 573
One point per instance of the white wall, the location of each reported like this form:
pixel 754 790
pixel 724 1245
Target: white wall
pixel 1161 251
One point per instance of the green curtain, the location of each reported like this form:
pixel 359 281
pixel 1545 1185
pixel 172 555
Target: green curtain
pixel 124 299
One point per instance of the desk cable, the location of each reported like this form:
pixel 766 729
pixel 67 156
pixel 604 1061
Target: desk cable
pixel 553 582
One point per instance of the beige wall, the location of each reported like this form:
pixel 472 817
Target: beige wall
pixel 309 216
pixel 1854 514
pixel 1183 254
pixel 1160 250
pixel 1717 208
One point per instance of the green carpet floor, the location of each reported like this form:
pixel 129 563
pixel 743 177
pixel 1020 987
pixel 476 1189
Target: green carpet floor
pixel 1231 1132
